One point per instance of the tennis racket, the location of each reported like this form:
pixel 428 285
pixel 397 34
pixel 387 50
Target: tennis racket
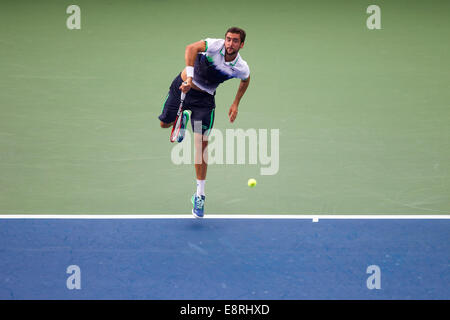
pixel 177 124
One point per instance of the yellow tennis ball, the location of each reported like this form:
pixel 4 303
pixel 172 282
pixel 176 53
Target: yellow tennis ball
pixel 251 182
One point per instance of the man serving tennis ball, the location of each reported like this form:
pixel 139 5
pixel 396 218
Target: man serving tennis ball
pixel 209 62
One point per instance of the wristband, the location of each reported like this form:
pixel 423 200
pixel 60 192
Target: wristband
pixel 190 71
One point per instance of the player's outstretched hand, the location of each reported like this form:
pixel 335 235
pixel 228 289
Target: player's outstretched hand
pixel 232 114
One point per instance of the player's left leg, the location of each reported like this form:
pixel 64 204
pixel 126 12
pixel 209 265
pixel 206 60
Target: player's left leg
pixel 170 108
pixel 165 125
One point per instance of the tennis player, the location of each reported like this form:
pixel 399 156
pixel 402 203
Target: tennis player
pixel 209 62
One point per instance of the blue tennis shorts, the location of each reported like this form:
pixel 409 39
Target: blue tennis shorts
pixel 201 104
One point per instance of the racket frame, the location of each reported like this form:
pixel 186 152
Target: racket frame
pixel 177 123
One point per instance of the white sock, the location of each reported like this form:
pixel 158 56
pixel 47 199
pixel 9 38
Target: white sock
pixel 201 187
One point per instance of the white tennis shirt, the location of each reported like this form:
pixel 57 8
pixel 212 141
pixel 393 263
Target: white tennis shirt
pixel 211 69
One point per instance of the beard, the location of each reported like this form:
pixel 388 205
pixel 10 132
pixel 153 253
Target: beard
pixel 231 51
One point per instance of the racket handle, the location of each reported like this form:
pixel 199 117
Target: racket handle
pixel 183 95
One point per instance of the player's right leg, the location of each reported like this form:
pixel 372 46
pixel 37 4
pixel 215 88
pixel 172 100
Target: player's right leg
pixel 201 166
pixel 202 123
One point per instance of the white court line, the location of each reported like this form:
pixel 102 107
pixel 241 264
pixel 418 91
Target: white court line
pixel 217 216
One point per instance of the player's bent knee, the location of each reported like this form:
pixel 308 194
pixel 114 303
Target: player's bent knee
pixel 164 125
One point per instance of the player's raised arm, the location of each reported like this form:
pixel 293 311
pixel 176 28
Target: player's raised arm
pixel 189 56
pixel 192 50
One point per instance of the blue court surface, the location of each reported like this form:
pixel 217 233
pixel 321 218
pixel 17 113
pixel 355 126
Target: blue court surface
pixel 238 259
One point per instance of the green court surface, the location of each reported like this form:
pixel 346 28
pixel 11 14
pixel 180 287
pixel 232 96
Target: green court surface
pixel 363 114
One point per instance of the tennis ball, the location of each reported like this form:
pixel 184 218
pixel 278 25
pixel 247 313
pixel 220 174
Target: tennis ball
pixel 251 182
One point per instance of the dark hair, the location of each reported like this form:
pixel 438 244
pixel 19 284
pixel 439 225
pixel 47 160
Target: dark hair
pixel 237 30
